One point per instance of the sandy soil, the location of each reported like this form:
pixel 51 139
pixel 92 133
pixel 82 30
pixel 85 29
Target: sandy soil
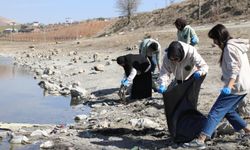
pixel 110 124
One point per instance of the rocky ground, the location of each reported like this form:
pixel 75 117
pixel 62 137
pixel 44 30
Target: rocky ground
pixel 86 70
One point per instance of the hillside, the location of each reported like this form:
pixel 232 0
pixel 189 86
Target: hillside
pixel 5 21
pixel 211 11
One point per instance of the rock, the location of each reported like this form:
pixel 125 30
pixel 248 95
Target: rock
pixel 76 84
pixel 39 133
pixel 4 134
pixel 105 124
pixel 78 93
pixel 104 111
pixel 144 123
pixel 225 128
pixel 47 145
pixel 81 117
pixel 50 87
pixel 108 63
pixel 115 138
pixel 57 42
pixel 99 67
pixel 95 57
pixel 38 72
pixel 64 91
pixel 72 53
pixel 47 71
pixel 18 139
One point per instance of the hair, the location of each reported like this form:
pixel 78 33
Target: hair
pixel 176 50
pixel 153 46
pixel 180 22
pixel 221 35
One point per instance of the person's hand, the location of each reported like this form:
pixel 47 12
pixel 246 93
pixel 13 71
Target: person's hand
pixel 226 91
pixel 125 82
pixel 193 41
pixel 197 75
pixel 162 89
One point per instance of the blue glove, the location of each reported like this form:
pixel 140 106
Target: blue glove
pixel 197 75
pixel 194 40
pixel 226 91
pixel 125 82
pixel 162 89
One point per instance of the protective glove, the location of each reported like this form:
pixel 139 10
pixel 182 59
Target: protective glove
pixel 125 82
pixel 193 41
pixel 226 91
pixel 197 75
pixel 162 89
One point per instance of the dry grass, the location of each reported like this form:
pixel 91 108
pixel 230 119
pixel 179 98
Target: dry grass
pixel 62 32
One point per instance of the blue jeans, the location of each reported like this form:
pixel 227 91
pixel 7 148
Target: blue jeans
pixel 225 106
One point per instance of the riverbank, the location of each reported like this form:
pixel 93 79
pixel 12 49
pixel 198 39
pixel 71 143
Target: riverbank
pixel 86 70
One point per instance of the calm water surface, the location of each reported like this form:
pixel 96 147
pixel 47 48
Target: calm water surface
pixel 23 101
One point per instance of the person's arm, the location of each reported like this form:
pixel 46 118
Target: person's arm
pixel 157 59
pixel 194 37
pixel 157 55
pixel 200 62
pixel 165 73
pixel 143 47
pixel 233 64
pixel 140 47
pixel 132 75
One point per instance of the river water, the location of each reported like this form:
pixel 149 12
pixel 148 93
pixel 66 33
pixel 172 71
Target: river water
pixel 23 101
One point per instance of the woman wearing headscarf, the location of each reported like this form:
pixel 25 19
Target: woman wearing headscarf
pixel 183 61
pixel 151 49
pixel 185 32
pixel 137 73
pixel 235 75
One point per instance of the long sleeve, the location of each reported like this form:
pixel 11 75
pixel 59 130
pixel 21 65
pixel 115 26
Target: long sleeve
pixel 194 37
pixel 200 62
pixel 232 63
pixel 158 55
pixel 143 47
pixel 132 75
pixel 165 73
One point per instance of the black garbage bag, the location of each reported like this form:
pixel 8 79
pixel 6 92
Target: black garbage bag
pixel 183 119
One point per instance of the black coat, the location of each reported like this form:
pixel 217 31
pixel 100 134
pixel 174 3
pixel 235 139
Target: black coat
pixel 142 83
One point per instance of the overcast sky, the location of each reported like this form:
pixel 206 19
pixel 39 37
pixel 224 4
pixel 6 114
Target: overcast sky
pixel 53 11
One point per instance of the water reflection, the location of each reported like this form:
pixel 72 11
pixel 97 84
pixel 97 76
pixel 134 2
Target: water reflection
pixel 22 100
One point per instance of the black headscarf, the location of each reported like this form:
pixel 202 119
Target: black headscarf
pixel 175 50
pixel 136 61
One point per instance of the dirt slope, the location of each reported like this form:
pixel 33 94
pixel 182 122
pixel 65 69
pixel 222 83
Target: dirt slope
pixel 211 11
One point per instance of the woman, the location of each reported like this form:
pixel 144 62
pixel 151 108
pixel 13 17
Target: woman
pixel 185 32
pixel 182 60
pixel 235 71
pixel 137 73
pixel 151 49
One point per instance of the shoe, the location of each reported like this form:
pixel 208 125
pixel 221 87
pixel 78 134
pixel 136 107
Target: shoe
pixel 196 144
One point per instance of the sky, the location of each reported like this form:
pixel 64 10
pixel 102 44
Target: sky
pixel 54 11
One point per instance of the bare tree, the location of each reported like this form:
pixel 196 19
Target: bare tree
pixel 127 7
